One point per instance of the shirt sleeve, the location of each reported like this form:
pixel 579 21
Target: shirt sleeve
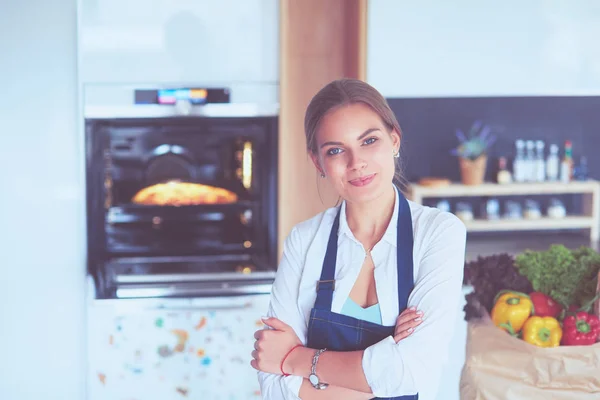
pixel 414 365
pixel 284 306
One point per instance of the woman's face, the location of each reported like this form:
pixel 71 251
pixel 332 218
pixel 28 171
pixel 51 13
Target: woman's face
pixel 355 152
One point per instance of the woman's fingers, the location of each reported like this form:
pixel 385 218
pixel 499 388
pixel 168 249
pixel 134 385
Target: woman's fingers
pixel 406 323
pixel 408 326
pixel 407 316
pixel 404 332
pixel 402 335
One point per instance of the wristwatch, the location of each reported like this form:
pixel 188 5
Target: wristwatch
pixel 313 378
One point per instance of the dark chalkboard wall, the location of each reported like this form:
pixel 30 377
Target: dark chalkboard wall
pixel 429 124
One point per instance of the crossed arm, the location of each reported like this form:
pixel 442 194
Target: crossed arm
pixel 387 369
pixel 342 370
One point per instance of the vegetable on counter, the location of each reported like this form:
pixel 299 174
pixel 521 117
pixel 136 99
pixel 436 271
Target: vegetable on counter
pixel 580 329
pixel 542 331
pixel 544 305
pixel 511 310
pixel 489 275
pixel 567 276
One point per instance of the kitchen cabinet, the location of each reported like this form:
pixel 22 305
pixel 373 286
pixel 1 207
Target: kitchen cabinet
pixel 470 48
pixel 197 42
pixel 174 349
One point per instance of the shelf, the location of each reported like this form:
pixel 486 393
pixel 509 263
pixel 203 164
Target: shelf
pixel 544 223
pixel 590 190
pixel 511 189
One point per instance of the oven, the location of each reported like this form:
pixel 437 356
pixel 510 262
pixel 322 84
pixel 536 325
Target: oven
pixel 181 198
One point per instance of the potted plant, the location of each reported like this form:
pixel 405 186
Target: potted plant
pixel 472 152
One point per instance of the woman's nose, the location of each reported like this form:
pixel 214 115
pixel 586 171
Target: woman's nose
pixel 356 162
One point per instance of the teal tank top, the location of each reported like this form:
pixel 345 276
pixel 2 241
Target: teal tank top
pixel 371 314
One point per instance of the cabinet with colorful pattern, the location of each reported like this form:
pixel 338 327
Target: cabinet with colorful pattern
pixel 174 349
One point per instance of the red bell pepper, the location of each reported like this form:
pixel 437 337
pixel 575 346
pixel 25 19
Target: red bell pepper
pixel 580 329
pixel 545 306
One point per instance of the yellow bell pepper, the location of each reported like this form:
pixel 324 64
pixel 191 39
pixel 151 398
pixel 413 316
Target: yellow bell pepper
pixel 542 331
pixel 511 310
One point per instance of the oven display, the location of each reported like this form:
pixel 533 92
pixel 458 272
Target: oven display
pixel 171 96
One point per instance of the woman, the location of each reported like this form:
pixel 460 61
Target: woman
pixel 339 326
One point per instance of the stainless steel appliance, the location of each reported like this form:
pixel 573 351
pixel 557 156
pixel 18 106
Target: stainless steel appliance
pixel 181 195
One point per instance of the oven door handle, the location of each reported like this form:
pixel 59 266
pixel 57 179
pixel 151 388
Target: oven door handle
pixel 133 306
pixel 192 289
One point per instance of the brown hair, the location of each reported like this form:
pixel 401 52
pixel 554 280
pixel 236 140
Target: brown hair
pixel 344 92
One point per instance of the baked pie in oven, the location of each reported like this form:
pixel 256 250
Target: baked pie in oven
pixel 183 194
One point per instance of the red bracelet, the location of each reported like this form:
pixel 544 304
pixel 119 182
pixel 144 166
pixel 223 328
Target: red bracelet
pixel 282 361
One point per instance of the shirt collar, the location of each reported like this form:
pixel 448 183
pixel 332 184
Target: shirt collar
pixel 391 232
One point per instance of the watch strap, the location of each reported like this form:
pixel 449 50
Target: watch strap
pixel 313 378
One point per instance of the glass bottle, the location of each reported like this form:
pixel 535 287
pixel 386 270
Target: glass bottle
pixel 504 175
pixel 553 164
pixel 519 161
pixel 566 166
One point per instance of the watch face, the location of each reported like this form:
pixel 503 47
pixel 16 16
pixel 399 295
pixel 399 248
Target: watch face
pixel 313 379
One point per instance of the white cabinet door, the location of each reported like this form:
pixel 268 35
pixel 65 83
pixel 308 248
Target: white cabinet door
pixel 196 349
pixel 201 41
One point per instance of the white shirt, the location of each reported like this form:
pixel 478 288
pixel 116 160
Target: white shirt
pixel 391 369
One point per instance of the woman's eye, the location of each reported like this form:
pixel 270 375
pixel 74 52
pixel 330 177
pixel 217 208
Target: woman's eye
pixel 370 140
pixel 334 151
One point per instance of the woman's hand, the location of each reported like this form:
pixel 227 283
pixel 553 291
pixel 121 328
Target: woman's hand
pixel 272 345
pixel 407 322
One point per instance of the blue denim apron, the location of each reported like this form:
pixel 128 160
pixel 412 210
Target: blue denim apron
pixel 339 332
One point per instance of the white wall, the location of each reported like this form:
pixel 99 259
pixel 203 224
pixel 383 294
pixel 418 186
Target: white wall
pixel 473 48
pixel 42 241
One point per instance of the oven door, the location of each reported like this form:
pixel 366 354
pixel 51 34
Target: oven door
pixel 173 198
pixel 138 230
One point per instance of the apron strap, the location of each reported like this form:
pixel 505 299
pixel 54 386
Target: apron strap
pixel 326 284
pixel 404 244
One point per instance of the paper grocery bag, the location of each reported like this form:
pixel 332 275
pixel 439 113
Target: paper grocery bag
pixel 498 366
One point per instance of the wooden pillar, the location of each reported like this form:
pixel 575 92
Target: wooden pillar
pixel 321 40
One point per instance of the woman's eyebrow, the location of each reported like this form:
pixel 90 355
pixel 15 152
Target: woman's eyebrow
pixel 362 135
pixel 365 133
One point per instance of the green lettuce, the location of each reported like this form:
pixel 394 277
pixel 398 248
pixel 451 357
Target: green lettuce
pixel 568 276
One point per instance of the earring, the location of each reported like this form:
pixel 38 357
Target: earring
pixel 396 155
pixel 322 175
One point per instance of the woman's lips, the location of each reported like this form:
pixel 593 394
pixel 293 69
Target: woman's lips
pixel 362 181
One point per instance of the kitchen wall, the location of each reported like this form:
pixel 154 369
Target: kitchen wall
pixel 474 48
pixel 444 64
pixel 530 70
pixel 429 126
pixel 308 62
pixel 42 274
